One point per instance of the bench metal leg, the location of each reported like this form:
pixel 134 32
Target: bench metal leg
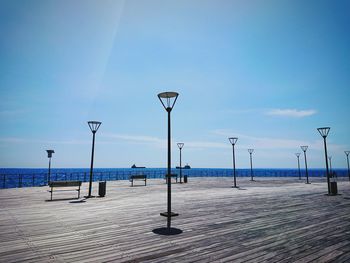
pixel 51 192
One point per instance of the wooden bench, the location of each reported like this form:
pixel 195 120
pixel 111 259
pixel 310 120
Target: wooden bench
pixel 171 176
pixel 137 177
pixel 55 184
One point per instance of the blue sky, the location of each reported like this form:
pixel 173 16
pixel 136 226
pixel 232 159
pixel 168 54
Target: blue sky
pixel 268 72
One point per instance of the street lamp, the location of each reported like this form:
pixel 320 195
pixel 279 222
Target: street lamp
pixel 233 141
pixel 251 164
pixel 298 155
pixel 324 132
pixel 304 148
pixel 168 100
pixel 347 158
pixel 180 145
pixel 94 125
pixel 49 155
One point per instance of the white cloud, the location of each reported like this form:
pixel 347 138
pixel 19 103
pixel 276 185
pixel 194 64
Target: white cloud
pixel 291 113
pixel 26 140
pixel 246 141
pixel 205 144
pixel 134 138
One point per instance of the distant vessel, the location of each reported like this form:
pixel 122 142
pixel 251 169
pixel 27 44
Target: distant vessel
pixel 185 167
pixel 134 166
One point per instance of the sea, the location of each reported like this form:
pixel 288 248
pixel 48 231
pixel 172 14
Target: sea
pixel 26 177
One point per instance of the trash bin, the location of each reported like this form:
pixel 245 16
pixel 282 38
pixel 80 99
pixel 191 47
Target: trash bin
pixel 102 189
pixel 333 185
pixel 185 179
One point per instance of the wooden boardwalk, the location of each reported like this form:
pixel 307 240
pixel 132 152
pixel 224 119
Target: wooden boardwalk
pixel 269 220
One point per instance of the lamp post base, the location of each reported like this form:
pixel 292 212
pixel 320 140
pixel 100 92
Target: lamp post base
pixel 307 183
pixel 165 214
pixel 234 186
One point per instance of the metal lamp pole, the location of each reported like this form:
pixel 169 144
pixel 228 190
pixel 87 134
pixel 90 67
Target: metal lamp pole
pixel 233 141
pixel 304 148
pixel 251 164
pixel 180 145
pixel 94 125
pixel 298 155
pixel 168 100
pixel 347 158
pixel 49 155
pixel 324 132
pixel 330 164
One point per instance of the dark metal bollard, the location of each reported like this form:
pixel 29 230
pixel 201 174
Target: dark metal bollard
pixel 185 179
pixel 102 189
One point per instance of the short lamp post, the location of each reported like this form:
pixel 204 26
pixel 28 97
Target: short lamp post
pixel 94 125
pixel 180 145
pixel 324 133
pixel 168 100
pixel 347 158
pixel 49 155
pixel 251 164
pixel 233 141
pixel 304 148
pixel 298 155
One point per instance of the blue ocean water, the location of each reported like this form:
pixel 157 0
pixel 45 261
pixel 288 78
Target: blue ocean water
pixel 19 177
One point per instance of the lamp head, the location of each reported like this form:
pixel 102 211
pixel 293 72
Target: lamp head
pixel 49 153
pixel 297 155
pixel 233 140
pixel 168 99
pixel 250 151
pixel 347 152
pixel 304 148
pixel 180 145
pixel 94 125
pixel 324 131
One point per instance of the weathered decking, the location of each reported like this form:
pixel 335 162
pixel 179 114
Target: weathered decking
pixel 271 220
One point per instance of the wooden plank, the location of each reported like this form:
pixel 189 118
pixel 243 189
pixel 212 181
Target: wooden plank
pixel 272 220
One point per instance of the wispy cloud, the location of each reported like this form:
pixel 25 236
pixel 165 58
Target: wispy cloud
pixel 291 113
pixel 207 145
pixel 246 141
pixel 27 140
pixel 134 138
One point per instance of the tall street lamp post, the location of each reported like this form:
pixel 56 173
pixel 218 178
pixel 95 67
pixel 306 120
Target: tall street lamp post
pixel 94 125
pixel 324 133
pixel 168 100
pixel 180 145
pixel 347 158
pixel 233 141
pixel 304 148
pixel 298 155
pixel 49 155
pixel 251 164
pixel 330 164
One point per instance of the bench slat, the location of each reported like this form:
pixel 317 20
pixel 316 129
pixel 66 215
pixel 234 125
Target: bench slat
pixel 64 183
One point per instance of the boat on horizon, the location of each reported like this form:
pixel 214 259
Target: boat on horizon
pixel 134 166
pixel 185 167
